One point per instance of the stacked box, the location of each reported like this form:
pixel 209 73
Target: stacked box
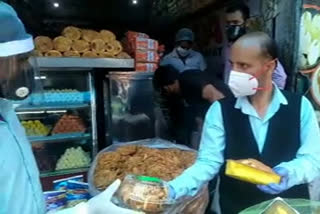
pixel 144 50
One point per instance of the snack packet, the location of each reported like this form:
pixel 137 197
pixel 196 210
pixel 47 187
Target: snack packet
pixel 77 192
pixel 250 174
pixel 55 200
pixel 61 184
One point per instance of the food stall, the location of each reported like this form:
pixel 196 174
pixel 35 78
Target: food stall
pixel 61 121
pixel 96 88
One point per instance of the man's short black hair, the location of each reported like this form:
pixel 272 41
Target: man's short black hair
pixel 164 76
pixel 242 7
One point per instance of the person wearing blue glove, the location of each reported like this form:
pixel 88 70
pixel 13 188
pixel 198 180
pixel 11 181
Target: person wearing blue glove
pixel 21 190
pixel 275 189
pixel 278 128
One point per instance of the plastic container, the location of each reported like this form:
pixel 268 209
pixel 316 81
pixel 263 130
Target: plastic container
pixel 147 194
pixel 59 97
pixel 279 205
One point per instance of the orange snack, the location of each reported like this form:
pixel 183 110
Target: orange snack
pixel 80 46
pixel 90 35
pixel 98 45
pixel 90 54
pixel 123 55
pixel 165 164
pixel 107 36
pixel 69 124
pixel 53 53
pixel 43 43
pixel 62 44
pixel 72 33
pixel 71 54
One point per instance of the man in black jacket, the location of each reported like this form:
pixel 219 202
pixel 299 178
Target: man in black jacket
pixel 276 127
pixel 185 98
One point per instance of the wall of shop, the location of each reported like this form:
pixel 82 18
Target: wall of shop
pixel 308 81
pixel 308 74
pixel 44 17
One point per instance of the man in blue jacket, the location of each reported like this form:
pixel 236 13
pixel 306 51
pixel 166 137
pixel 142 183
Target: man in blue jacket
pixel 183 57
pixel 21 190
pixel 278 128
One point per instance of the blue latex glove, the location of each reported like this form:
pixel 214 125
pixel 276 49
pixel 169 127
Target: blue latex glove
pixel 275 189
pixel 172 193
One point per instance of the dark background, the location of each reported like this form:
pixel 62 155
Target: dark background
pixel 42 18
pixel 119 16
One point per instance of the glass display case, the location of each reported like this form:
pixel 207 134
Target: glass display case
pixel 129 107
pixel 60 119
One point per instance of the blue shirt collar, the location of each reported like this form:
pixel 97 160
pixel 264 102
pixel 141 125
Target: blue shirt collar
pixel 277 100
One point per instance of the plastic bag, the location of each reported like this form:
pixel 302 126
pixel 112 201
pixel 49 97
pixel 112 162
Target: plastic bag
pixel 195 205
pixel 301 205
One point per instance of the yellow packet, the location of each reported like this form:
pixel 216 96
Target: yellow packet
pixel 250 174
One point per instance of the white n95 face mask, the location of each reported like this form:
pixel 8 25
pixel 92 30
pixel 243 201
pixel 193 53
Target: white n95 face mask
pixel 183 52
pixel 242 84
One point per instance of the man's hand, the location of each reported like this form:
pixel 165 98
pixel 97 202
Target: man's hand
pixel 210 93
pixel 275 189
pixel 102 204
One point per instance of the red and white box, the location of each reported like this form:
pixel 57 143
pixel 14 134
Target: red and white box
pixel 131 35
pixel 147 56
pixel 146 67
pixel 146 44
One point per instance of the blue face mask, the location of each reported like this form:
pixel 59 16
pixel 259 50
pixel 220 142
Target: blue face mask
pixel 183 52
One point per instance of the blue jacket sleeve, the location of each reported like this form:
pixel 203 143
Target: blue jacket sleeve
pixel 210 156
pixel 203 64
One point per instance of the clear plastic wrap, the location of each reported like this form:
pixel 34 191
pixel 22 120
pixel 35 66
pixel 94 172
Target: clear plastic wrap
pixel 302 206
pixel 142 193
pixel 195 205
